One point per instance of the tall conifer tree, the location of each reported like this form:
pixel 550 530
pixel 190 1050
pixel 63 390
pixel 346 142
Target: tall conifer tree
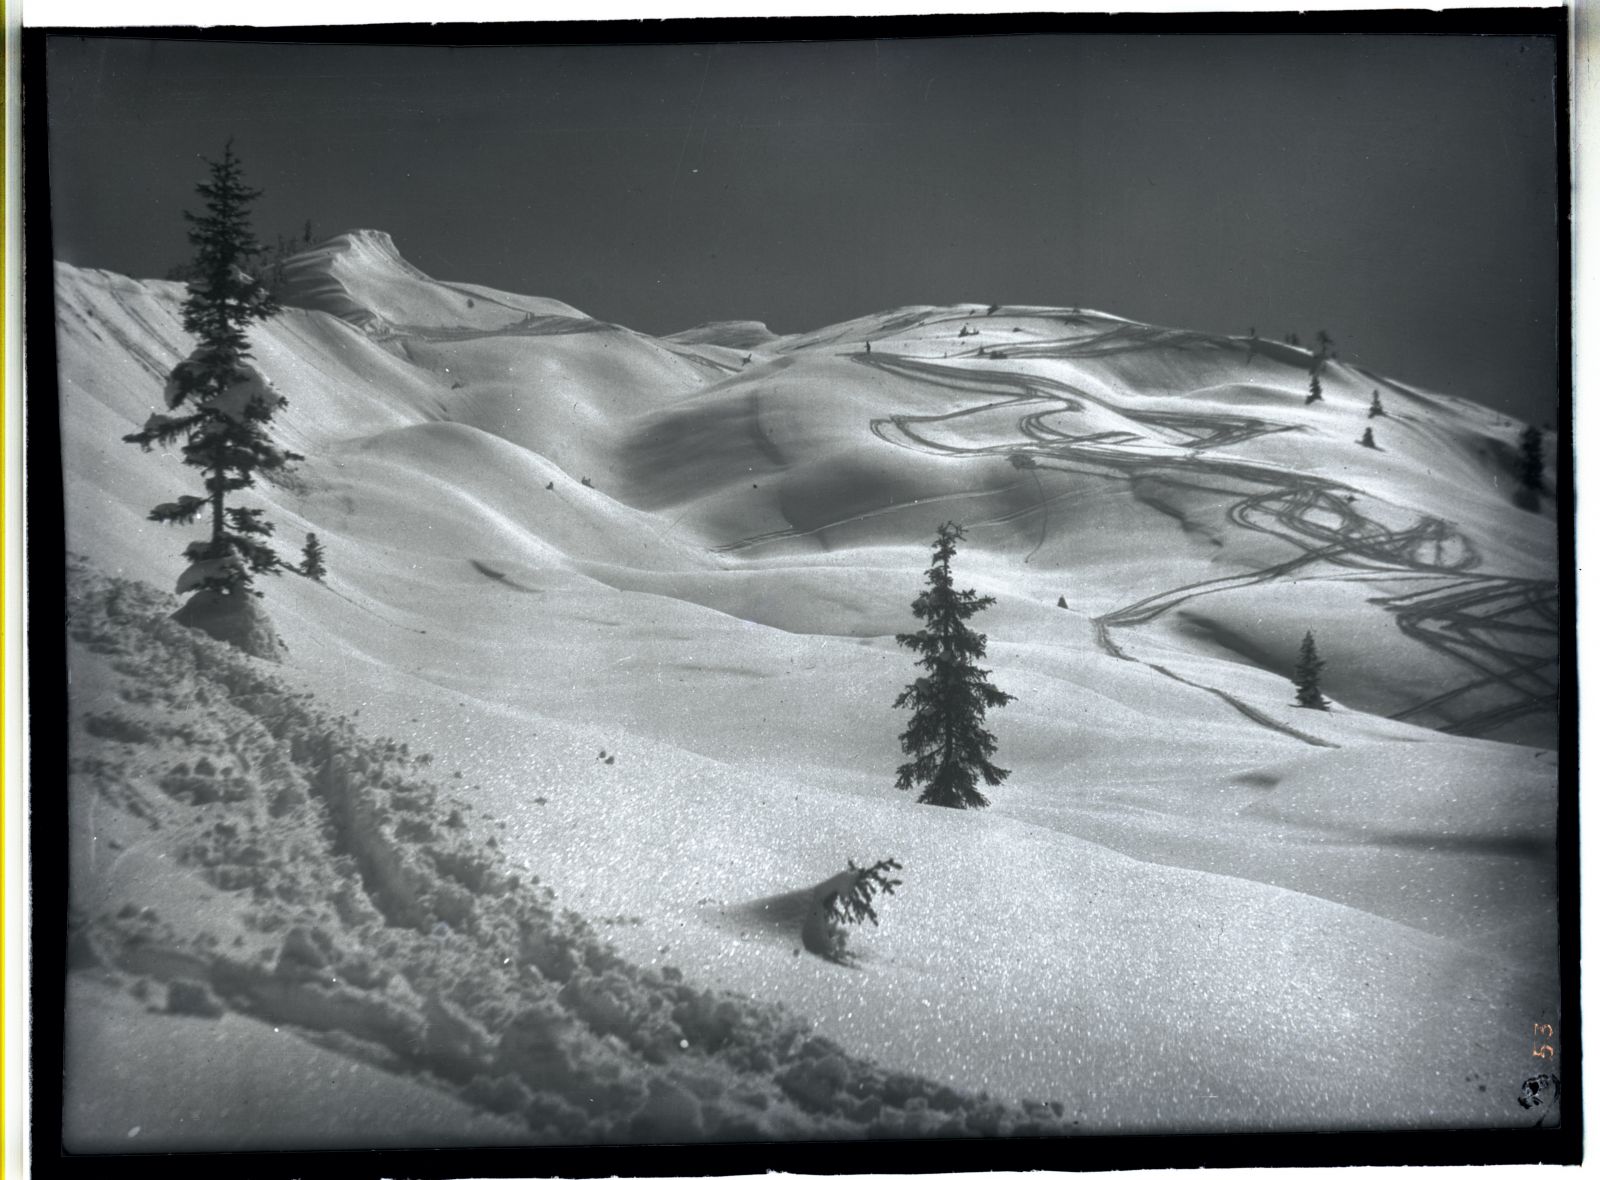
pixel 948 745
pixel 220 402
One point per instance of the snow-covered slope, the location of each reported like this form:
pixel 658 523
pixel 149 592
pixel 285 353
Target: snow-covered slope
pixel 332 885
pixel 641 594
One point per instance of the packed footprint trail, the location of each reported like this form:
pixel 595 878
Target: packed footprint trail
pixel 347 899
pixel 1486 623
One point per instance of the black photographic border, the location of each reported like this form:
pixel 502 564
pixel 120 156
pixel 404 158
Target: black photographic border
pixel 45 581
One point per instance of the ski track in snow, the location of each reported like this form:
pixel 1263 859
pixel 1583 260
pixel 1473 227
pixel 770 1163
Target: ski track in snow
pixel 1472 619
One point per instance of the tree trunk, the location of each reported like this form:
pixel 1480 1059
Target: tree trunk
pixel 216 514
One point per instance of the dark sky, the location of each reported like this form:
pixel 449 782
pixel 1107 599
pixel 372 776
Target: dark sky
pixel 1398 191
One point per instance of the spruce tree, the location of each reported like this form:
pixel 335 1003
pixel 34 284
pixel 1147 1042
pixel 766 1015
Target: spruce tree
pixel 220 404
pixel 1307 672
pixel 948 745
pixel 1318 359
pixel 1530 461
pixel 311 564
pixel 1375 410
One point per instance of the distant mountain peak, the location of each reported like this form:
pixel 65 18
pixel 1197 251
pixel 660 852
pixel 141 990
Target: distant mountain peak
pixel 728 333
pixel 361 277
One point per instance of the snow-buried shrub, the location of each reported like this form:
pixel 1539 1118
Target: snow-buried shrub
pixel 356 915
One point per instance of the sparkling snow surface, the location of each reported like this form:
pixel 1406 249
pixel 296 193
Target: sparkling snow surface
pixel 667 694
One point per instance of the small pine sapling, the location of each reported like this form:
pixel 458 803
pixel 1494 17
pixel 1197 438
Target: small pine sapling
pixel 1367 440
pixel 311 563
pixel 1318 359
pixel 1375 410
pixel 845 900
pixel 1307 676
pixel 853 906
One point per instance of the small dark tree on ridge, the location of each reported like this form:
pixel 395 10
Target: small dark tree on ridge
pixel 1318 359
pixel 1307 676
pixel 948 745
pixel 311 564
pixel 1376 409
pixel 1530 464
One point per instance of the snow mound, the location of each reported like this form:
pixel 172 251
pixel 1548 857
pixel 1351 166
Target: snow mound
pixel 1423 794
pixel 235 619
pixel 462 490
pixel 570 397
